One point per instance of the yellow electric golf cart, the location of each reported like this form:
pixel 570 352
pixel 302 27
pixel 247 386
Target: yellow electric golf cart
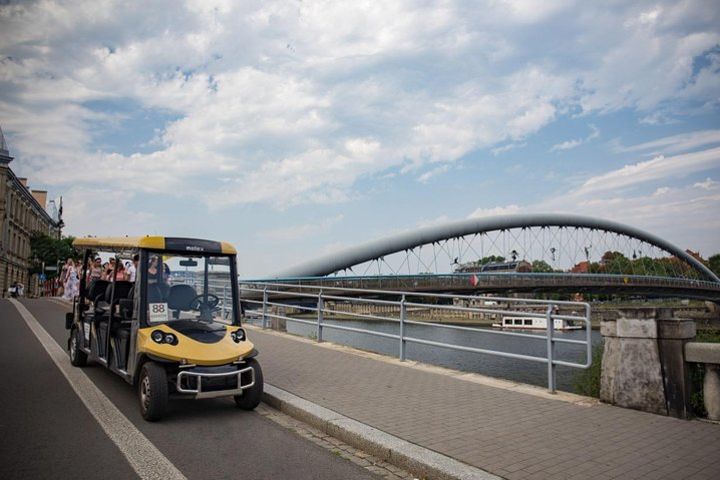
pixel 163 313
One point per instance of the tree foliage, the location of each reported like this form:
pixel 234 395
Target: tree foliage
pixel 541 266
pixel 714 263
pixel 491 259
pixel 51 251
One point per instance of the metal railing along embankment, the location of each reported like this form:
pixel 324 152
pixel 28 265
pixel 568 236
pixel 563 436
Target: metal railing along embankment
pixel 280 301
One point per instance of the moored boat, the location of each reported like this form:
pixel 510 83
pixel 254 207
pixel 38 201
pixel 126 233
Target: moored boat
pixel 534 323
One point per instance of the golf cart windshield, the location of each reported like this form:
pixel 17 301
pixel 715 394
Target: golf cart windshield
pixel 189 287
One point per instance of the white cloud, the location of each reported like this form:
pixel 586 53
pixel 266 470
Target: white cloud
pixel 102 211
pixel 657 118
pixel 661 191
pixel 566 145
pixel 507 148
pixel 425 177
pixel 707 184
pixel 496 211
pixel 570 144
pixel 657 168
pixel 290 103
pixel 676 143
pixel 594 133
pixel 297 232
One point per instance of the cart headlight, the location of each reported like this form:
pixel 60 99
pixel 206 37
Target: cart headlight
pixel 159 336
pixel 238 335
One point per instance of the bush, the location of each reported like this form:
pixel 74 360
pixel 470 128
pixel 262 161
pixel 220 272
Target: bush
pixel 697 374
pixel 588 381
pixel 697 400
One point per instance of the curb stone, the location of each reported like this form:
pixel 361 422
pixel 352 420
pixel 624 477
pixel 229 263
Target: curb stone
pixel 418 460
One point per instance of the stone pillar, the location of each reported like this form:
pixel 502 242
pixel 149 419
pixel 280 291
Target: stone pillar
pixel 673 334
pixel 631 374
pixel 711 391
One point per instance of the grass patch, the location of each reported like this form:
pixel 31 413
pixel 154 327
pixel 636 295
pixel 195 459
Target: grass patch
pixel 708 336
pixel 587 381
pixel 697 399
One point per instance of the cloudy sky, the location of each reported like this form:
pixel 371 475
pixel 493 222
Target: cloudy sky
pixel 293 129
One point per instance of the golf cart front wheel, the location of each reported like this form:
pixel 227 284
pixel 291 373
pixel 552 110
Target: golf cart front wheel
pixel 153 391
pixel 251 396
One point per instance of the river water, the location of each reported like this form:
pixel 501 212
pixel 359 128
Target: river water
pixel 507 368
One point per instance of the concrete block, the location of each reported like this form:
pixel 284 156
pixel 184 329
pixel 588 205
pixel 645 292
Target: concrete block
pixel 639 381
pixel 610 360
pixel 679 329
pixel 700 352
pixel 631 374
pixel 608 328
pixel 676 376
pixel 639 313
pixel 636 328
pixel 711 391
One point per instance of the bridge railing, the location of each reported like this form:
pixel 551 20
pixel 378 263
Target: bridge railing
pixel 510 278
pixel 323 308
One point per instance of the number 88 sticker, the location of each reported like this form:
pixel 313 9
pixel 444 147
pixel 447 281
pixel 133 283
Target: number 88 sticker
pixel 158 312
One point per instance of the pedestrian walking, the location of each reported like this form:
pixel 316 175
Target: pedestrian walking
pixel 72 282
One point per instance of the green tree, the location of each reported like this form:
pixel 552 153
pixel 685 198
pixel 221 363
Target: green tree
pixel 491 259
pixel 51 251
pixel 615 263
pixel 714 263
pixel 541 266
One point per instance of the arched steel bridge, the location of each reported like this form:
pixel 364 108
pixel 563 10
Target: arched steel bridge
pixel 539 252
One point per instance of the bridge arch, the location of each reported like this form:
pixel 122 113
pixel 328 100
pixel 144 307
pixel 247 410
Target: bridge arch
pixel 378 249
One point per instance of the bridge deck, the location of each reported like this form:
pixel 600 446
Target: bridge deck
pixel 508 433
pixel 522 282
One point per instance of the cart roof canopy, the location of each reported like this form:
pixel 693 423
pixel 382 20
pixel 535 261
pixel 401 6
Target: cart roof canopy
pixel 169 244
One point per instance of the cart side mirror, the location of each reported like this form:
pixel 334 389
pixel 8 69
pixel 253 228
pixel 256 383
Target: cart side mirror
pixel 69 318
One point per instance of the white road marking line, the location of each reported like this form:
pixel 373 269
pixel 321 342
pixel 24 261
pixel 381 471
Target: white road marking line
pixel 147 461
pixel 59 301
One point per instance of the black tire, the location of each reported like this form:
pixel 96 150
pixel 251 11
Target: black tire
pixel 153 391
pixel 252 396
pixel 78 358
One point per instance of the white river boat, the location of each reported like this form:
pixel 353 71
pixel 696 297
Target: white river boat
pixel 534 323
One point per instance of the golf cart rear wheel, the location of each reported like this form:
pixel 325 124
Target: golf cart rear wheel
pixel 153 391
pixel 251 397
pixel 78 358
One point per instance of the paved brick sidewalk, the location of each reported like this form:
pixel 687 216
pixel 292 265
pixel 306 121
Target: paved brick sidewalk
pixel 507 433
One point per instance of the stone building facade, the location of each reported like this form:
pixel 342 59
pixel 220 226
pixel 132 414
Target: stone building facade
pixel 22 213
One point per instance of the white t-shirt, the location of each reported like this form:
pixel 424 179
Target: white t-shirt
pixel 132 272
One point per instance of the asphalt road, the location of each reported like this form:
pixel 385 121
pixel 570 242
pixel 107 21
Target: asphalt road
pixel 47 432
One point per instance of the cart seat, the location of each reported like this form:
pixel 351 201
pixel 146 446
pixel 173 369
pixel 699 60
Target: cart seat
pixel 122 290
pixel 157 292
pixel 96 292
pixel 180 297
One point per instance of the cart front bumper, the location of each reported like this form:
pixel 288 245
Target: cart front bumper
pixel 215 382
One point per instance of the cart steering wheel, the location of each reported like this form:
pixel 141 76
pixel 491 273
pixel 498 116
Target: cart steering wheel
pixel 204 302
